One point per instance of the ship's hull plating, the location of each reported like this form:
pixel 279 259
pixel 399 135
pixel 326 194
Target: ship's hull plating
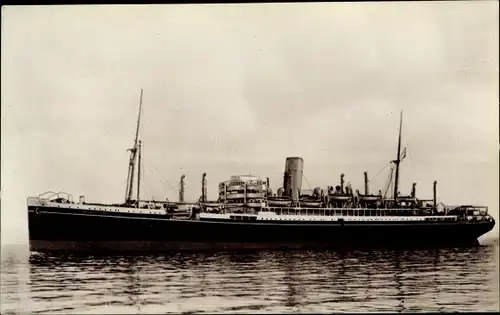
pixel 50 231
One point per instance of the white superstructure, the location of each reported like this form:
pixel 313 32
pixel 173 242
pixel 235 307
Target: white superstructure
pixel 243 190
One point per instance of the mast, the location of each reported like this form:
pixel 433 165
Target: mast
pixel 132 160
pixel 139 173
pixel 398 158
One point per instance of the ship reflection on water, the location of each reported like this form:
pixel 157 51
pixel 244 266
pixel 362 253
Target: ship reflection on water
pixel 462 279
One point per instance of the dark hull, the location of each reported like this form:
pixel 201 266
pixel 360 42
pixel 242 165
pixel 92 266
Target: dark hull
pixel 51 231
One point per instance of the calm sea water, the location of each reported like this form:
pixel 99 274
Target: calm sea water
pixel 248 282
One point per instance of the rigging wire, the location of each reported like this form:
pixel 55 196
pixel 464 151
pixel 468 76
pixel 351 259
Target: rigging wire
pixel 161 178
pixel 382 169
pixel 389 181
pixel 154 170
pixel 149 189
pixel 145 184
pixel 141 178
pixel 303 175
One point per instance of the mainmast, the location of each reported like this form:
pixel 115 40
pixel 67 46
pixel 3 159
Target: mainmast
pixel 132 160
pixel 398 159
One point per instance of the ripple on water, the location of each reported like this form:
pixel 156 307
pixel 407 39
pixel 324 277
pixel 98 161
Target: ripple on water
pixel 265 281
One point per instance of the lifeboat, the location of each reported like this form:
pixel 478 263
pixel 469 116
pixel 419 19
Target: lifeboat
pixel 212 204
pixel 333 197
pixel 278 202
pixel 255 204
pixel 235 196
pixel 406 198
pixel 368 197
pixel 235 205
pixel 310 204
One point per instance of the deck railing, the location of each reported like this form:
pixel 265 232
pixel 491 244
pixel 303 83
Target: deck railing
pixel 481 210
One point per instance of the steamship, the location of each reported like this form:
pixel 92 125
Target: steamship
pixel 248 214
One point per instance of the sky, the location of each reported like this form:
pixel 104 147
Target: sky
pixel 235 89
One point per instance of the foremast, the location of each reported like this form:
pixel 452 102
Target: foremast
pixel 398 158
pixel 136 150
